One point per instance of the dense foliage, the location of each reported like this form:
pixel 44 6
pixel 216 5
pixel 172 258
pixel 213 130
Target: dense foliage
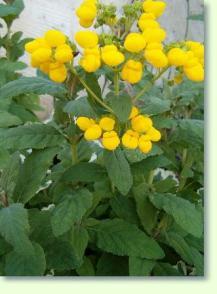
pixel 78 200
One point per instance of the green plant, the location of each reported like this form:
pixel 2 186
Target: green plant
pixel 71 205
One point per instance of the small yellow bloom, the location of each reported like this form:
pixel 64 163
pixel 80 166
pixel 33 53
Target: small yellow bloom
pixel 87 13
pixel 63 53
pixel 134 112
pixel 147 20
pixel 32 46
pixel 157 58
pixel 110 140
pixel 141 123
pixel 145 145
pixel 58 74
pixel 111 56
pixel 177 57
pixel 55 38
pixel 87 39
pixel 154 35
pixel 197 48
pixel 90 62
pixel 154 134
pixel 154 46
pixel 45 67
pixel 94 132
pixel 132 71
pixel 195 73
pixel 134 42
pixel 130 139
pixel 155 7
pixel 41 55
pixel 84 122
pixel 107 124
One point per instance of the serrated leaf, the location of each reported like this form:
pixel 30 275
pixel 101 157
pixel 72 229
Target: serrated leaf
pixel 86 269
pixel 140 267
pixel 26 264
pixel 7 119
pixel 136 155
pixel 154 105
pixel 37 136
pixel 79 107
pixel 14 227
pixel 26 85
pixel 118 170
pixel 13 9
pixel 124 208
pixel 121 238
pixel 121 106
pixel 10 66
pixel 71 209
pixel 79 240
pixel 165 270
pixel 184 212
pixel 31 174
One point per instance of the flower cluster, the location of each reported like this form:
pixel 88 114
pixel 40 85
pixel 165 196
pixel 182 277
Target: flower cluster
pixel 50 53
pixel 140 133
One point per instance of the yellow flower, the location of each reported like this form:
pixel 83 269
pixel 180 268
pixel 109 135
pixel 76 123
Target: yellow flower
pixel 155 7
pixel 41 55
pixel 153 35
pixel 134 112
pixel 58 74
pixel 154 46
pixel 31 46
pixel 195 73
pixel 63 53
pixel 130 139
pixel 177 57
pixel 141 123
pixel 154 134
pixel 91 61
pixel 110 140
pixel 84 122
pixel 45 67
pixel 134 42
pixel 87 39
pixel 107 124
pixel 147 20
pixel 197 48
pixel 157 58
pixel 111 56
pixel 132 71
pixel 55 38
pixel 87 13
pixel 191 60
pixel 94 132
pixel 145 145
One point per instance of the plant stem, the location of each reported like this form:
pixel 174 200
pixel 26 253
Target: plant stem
pixel 116 82
pixel 151 177
pixel 89 90
pixel 148 86
pixel 74 153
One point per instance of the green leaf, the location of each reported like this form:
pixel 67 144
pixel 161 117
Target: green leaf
pixel 26 85
pixel 10 174
pixel 79 240
pixel 10 66
pixel 27 264
pixel 154 105
pixel 184 212
pixel 79 107
pixel 136 155
pixel 4 158
pixel 84 172
pixel 124 208
pixel 146 211
pixel 118 170
pixel 140 267
pixel 86 269
pixel 32 172
pixel 7 119
pixel 71 209
pixel 178 243
pixel 13 9
pixel 165 270
pixel 121 106
pixel 198 261
pixel 111 265
pixel 37 136
pixel 14 227
pixel 121 238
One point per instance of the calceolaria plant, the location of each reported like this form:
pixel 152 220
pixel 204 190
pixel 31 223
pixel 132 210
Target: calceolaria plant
pixel 112 185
